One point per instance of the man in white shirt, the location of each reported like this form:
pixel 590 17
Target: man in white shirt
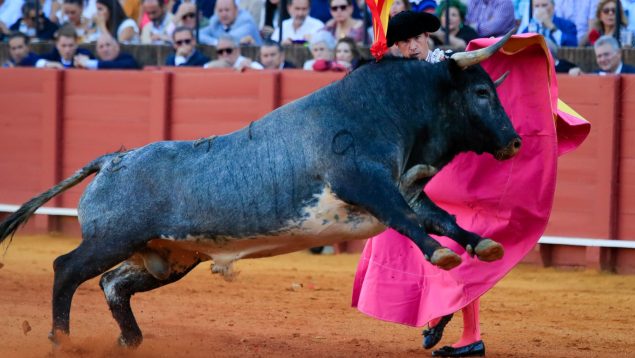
pixel 229 56
pixel 10 12
pixel 300 27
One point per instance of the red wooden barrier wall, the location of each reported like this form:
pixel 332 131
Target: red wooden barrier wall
pixel 53 122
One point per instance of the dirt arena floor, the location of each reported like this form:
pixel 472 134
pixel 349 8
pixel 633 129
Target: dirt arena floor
pixel 298 305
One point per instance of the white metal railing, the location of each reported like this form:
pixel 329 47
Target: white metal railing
pixel 549 240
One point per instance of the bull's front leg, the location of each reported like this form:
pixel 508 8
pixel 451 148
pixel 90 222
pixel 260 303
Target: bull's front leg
pixel 439 222
pixel 380 197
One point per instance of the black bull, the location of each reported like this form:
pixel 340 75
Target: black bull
pixel 342 163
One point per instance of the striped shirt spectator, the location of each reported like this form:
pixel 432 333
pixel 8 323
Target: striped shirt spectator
pixel 491 17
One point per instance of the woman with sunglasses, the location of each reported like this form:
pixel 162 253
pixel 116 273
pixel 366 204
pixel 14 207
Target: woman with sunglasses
pixel 110 18
pixel 343 24
pixel 605 23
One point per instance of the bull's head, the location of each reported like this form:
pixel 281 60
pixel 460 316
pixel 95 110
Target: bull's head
pixel 489 129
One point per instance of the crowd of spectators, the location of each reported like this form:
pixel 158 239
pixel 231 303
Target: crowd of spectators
pixel 333 30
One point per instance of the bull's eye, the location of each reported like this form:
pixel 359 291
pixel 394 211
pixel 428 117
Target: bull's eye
pixel 483 93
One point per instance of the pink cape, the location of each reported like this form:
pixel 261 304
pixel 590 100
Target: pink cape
pixel 507 201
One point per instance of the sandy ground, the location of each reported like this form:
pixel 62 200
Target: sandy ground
pixel 298 305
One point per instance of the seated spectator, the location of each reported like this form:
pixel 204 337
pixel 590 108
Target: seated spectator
pixel 300 27
pixel 205 7
pixel 608 55
pixel 343 24
pixel 109 56
pixel 65 50
pixel 490 18
pixel 321 45
pixel 34 23
pixel 460 34
pixel 321 10
pixel 20 54
pixel 229 56
pixel 110 18
pixel 605 23
pixel 347 55
pixel 229 20
pixel 272 56
pixel 184 16
pixel 580 12
pixel 72 11
pixel 156 30
pixel 555 29
pixel 185 52
pixel 10 12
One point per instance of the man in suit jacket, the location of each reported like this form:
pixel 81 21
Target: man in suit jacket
pixel 272 56
pixel 609 57
pixel 63 55
pixel 185 53
pixel 109 56
pixel 558 30
pixel 20 54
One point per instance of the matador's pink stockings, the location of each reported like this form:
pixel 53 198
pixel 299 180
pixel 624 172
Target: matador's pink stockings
pixel 471 324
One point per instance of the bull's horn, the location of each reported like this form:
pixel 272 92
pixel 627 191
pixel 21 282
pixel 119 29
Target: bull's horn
pixel 469 58
pixel 501 79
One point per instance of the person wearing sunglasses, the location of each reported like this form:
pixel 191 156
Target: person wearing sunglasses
pixel 184 16
pixel 229 56
pixel 33 23
pixel 605 23
pixel 343 24
pixel 555 29
pixel 185 52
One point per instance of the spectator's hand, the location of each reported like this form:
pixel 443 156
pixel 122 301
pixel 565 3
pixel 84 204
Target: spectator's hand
pixel 243 65
pixel 286 41
pixel 542 17
pixel 53 64
pixel 81 61
pixel 247 40
pixel 216 64
pixel 266 32
pixel 156 37
pixel 3 28
pixel 576 71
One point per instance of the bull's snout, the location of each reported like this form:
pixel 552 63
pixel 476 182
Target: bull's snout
pixel 512 148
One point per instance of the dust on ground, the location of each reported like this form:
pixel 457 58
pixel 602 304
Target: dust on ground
pixel 298 305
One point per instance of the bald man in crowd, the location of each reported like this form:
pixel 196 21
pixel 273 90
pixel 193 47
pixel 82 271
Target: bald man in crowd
pixel 229 20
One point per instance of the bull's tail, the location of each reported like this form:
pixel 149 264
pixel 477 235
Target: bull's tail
pixel 10 225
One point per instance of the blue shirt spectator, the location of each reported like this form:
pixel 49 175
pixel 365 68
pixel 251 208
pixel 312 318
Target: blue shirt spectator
pixel 560 31
pixel 229 20
pixel 491 17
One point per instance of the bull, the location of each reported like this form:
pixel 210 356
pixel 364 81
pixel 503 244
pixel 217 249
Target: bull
pixel 342 163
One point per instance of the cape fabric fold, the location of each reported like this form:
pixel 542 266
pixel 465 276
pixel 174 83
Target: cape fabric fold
pixel 508 201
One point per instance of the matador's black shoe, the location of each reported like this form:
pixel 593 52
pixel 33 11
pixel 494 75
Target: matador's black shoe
pixel 432 336
pixel 476 349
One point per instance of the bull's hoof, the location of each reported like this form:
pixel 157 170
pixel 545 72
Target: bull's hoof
pixel 445 258
pixel 489 250
pixel 58 338
pixel 130 342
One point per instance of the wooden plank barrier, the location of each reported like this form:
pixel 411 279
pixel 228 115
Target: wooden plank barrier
pixel 584 205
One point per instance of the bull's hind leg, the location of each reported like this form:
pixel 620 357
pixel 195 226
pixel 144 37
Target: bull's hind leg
pixel 139 274
pixel 90 259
